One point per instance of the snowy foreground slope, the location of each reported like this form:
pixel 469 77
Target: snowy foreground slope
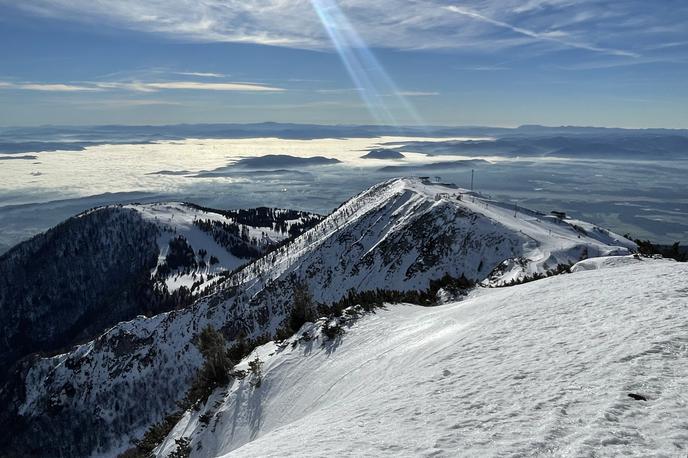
pixel 401 235
pixel 540 368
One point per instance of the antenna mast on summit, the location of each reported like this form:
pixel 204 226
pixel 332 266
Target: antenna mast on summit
pixel 472 174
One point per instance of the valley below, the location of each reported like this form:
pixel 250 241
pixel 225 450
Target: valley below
pixel 593 174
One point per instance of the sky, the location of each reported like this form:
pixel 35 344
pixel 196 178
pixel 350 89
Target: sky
pixel 432 62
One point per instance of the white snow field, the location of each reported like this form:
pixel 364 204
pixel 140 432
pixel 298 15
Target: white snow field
pixel 543 368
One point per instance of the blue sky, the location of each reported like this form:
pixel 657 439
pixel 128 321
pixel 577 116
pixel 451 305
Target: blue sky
pixel 486 62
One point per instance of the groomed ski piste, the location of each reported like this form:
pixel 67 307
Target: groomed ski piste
pixel 543 368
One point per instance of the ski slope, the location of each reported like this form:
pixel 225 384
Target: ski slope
pixel 543 368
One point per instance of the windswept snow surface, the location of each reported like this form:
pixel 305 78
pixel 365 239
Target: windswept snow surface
pixel 543 368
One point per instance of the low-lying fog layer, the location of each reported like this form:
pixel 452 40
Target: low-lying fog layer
pixel 648 198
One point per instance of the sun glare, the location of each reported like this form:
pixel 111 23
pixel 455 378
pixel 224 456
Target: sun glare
pixel 384 100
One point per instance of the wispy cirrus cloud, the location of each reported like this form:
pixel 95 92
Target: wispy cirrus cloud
pixel 202 74
pixel 194 85
pixel 48 87
pixel 189 85
pixel 595 26
pixel 555 36
pixel 483 68
pixel 404 93
pixel 141 86
pixel 124 103
pixel 417 93
pixel 343 90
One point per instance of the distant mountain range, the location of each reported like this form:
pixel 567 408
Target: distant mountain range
pixel 16 140
pixel 636 145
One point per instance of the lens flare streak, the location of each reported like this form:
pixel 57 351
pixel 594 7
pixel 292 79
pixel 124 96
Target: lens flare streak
pixel 375 86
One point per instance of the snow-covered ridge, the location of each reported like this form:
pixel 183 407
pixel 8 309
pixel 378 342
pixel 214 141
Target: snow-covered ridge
pixel 399 235
pixel 401 232
pixel 544 368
